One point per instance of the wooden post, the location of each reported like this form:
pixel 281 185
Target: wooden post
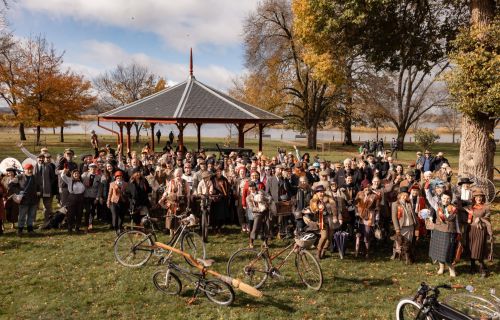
pixel 152 124
pixel 241 135
pixel 128 126
pixel 261 128
pixel 120 142
pixel 198 134
pixel 181 127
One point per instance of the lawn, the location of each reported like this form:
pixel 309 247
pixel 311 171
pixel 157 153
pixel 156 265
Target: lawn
pixel 56 276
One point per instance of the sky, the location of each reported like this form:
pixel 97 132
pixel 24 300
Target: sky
pixel 97 35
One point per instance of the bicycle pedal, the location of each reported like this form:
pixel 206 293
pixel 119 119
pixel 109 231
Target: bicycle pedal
pixel 191 300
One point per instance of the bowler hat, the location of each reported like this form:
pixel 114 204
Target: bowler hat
pixel 464 180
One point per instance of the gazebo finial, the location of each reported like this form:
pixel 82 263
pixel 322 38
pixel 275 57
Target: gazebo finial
pixel 191 63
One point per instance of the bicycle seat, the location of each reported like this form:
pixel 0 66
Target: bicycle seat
pixel 205 262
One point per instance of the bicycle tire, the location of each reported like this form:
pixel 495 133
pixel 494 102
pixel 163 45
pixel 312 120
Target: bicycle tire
pixel 309 270
pixel 219 292
pixel 473 306
pixel 169 284
pixel 192 243
pixel 243 265
pixel 127 248
pixel 407 309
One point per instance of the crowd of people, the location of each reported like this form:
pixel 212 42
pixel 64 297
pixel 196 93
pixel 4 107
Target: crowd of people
pixel 364 199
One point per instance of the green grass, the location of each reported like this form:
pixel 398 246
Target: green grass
pixel 56 276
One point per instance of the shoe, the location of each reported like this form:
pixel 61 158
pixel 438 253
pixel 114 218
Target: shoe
pixel 19 231
pixel 441 268
pixel 250 245
pixel 30 229
pixel 453 274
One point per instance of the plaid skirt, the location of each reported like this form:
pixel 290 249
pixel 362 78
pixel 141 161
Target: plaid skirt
pixel 442 247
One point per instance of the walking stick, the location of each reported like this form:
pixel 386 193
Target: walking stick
pixel 236 283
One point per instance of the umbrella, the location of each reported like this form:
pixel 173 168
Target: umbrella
pixel 340 238
pixel 10 163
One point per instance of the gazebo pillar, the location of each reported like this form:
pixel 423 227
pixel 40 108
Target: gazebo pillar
pixel 181 127
pixel 198 134
pixel 128 126
pixel 152 124
pixel 120 137
pixel 241 135
pixel 261 128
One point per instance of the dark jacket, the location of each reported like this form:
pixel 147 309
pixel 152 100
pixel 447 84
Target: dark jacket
pixel 29 188
pixel 138 193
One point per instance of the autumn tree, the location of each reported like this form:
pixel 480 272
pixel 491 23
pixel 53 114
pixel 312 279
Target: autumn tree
pixel 36 88
pixel 474 84
pixel 408 40
pixel 126 84
pixel 278 72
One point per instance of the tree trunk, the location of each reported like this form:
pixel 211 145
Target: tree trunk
pixel 482 13
pixel 38 130
pixel 347 124
pixel 61 137
pixel 376 130
pixel 401 139
pixel 54 130
pixel 453 137
pixel 477 147
pixel 22 135
pixel 137 132
pixel 312 135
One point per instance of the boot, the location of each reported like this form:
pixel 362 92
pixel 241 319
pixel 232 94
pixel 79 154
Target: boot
pixel 482 270
pixel 453 274
pixel 19 231
pixel 30 229
pixel 473 267
pixel 441 268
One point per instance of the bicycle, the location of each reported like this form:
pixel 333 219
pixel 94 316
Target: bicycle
pixel 134 247
pixel 205 202
pixel 254 267
pixel 218 290
pixel 426 306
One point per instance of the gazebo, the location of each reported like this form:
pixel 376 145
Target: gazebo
pixel 189 102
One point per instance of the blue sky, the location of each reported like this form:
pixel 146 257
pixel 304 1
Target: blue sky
pixel 96 35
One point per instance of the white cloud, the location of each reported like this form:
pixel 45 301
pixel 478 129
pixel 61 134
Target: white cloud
pixel 181 24
pixel 98 57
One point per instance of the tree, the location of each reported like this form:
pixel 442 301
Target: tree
pixel 126 84
pixel 425 138
pixel 276 66
pixel 474 84
pixel 39 93
pixel 451 119
pixel 407 40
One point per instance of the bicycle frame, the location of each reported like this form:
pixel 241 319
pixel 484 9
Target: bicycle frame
pixel 265 251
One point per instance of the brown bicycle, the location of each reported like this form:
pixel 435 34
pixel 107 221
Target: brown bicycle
pixel 254 267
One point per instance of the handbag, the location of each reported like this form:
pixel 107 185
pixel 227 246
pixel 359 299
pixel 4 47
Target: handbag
pixel 17 198
pixel 429 224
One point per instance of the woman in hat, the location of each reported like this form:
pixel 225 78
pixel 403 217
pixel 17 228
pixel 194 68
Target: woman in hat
pixel 220 204
pixel 11 184
pixel 74 205
pixel 368 204
pixel 405 223
pixel 328 217
pixel 446 232
pixel 175 199
pixel 117 201
pixel 480 230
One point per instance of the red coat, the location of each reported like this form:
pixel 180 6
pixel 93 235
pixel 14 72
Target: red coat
pixel 244 194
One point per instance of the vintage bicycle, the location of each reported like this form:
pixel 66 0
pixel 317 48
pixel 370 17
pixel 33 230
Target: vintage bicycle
pixel 425 305
pixel 254 267
pixel 218 290
pixel 134 247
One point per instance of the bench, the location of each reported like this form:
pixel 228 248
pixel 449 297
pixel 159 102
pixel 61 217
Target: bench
pixel 266 136
pixel 300 136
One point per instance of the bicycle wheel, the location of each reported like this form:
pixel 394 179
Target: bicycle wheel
pixel 473 306
pixel 133 248
pixel 219 292
pixel 407 309
pixel 193 244
pixel 167 282
pixel 248 266
pixel 309 269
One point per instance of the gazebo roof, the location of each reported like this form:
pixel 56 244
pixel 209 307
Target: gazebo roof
pixel 190 102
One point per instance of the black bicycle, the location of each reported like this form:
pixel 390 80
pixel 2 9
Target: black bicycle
pixel 168 281
pixel 426 306
pixel 134 247
pixel 205 203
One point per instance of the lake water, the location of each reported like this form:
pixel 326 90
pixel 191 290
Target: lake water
pixel 222 131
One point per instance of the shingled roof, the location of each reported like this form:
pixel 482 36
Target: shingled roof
pixel 190 102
